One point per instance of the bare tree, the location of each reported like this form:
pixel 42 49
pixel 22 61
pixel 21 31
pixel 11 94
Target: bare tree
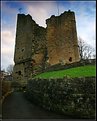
pixel 10 69
pixel 85 50
pixel 94 55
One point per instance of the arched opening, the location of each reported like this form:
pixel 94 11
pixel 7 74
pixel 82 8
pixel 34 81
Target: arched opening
pixel 70 59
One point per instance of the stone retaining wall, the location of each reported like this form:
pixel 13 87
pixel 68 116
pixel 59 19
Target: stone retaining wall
pixel 74 97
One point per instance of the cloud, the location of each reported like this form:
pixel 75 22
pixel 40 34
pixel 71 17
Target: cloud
pixel 7 37
pixel 86 26
pixel 7 47
pixel 40 11
pixel 6 51
pixel 8 26
pixel 40 16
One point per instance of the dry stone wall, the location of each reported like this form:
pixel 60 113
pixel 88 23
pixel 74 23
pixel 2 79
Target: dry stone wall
pixel 69 96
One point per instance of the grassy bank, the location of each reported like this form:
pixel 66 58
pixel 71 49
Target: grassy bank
pixel 83 71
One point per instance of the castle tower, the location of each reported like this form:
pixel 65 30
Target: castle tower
pixel 23 48
pixel 34 44
pixel 62 41
pixel 29 48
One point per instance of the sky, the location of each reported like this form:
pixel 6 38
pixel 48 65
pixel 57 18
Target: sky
pixel 85 14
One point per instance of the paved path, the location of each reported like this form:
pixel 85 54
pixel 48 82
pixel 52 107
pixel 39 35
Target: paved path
pixel 16 106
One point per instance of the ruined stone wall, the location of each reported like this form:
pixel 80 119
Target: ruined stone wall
pixel 37 46
pixel 29 48
pixel 62 38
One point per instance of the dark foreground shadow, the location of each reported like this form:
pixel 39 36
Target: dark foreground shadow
pixel 16 106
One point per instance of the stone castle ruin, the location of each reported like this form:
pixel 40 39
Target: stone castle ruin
pixel 37 48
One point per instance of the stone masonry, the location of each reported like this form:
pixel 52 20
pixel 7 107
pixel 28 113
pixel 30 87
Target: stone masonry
pixel 37 47
pixel 62 39
pixel 29 48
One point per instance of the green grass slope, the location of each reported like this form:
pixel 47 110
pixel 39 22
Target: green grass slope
pixel 83 71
